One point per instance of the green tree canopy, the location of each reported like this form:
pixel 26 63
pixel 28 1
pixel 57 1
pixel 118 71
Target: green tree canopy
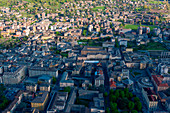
pixel 130 95
pixel 112 98
pixel 134 111
pixel 107 110
pixel 57 33
pixel 84 32
pixel 105 94
pixel 116 43
pixel 122 94
pixel 136 99
pixel 123 103
pixel 131 105
pixel 111 91
pixel 54 80
pixel 67 89
pixel 117 93
pixel 139 106
pixel 113 106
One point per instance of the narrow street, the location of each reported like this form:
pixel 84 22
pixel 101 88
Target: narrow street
pixel 106 82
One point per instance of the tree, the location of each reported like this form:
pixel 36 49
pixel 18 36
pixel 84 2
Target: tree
pixel 107 110
pixel 153 23
pixel 126 91
pixel 136 99
pixel 25 38
pixel 113 106
pixel 121 25
pixel 117 93
pixel 67 89
pixel 149 35
pixel 49 27
pixel 130 95
pixel 108 38
pixel 131 105
pixel 4 103
pixel 112 98
pixel 123 22
pixel 2 87
pixel 111 25
pixel 111 91
pixel 91 43
pixel 105 94
pixel 150 7
pixel 57 33
pixel 57 52
pixel 122 94
pixel 89 87
pixel 123 103
pixel 134 111
pixel 145 7
pixel 139 106
pixel 99 33
pixel 116 111
pixel 54 80
pixel 116 42
pixel 84 32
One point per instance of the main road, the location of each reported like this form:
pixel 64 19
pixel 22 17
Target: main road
pixel 106 82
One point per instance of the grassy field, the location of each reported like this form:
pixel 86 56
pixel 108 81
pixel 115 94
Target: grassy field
pixel 138 9
pixel 155 46
pixel 98 7
pixel 25 14
pixel 156 2
pixel 135 27
pixel 149 46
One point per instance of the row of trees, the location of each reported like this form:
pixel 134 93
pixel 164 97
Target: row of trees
pixel 1 36
pixel 3 100
pixel 54 80
pixel 67 89
pixel 124 100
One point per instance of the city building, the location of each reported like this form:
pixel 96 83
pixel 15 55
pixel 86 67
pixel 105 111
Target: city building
pixel 40 101
pixel 45 87
pixel 151 99
pixel 31 87
pixel 39 71
pixel 92 49
pixel 158 83
pixel 14 75
pixel 64 82
pixel 57 102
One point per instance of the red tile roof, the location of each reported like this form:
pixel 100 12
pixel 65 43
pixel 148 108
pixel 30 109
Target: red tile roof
pixel 158 79
pixel 112 83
